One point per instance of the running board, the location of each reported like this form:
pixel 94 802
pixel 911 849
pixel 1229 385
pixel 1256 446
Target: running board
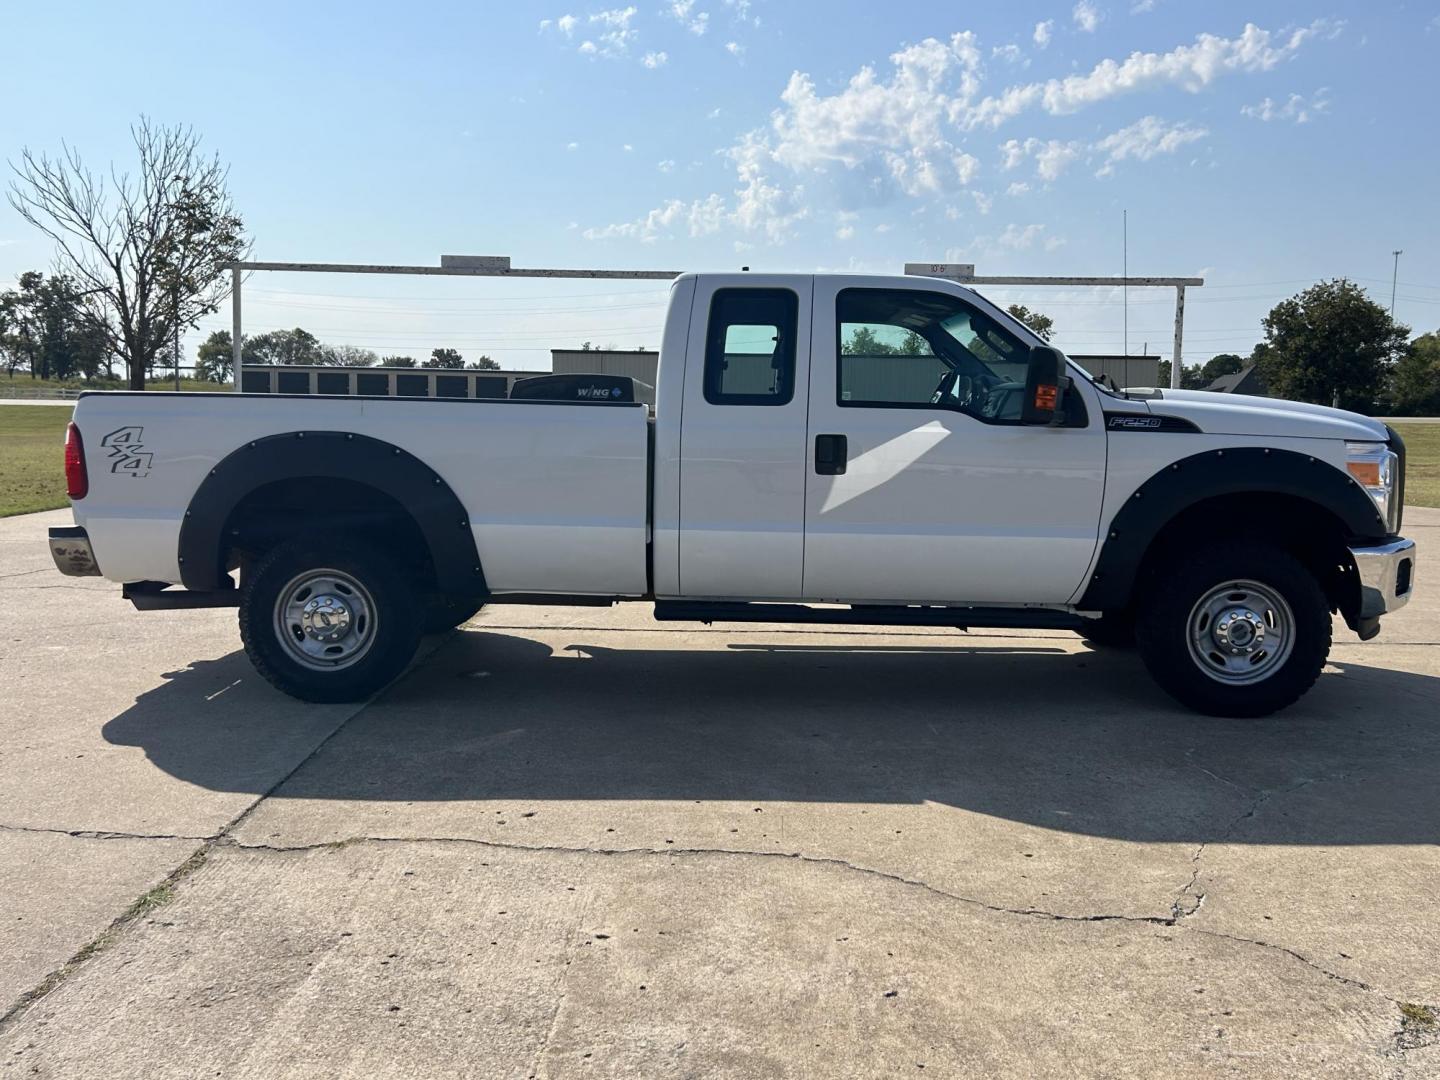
pixel 961 618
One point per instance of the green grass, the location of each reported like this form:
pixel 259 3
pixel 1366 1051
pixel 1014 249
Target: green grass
pixel 32 458
pixel 1422 463
pixel 19 387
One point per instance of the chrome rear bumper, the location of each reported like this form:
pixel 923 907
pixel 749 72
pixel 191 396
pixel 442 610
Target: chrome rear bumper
pixel 70 548
pixel 1387 576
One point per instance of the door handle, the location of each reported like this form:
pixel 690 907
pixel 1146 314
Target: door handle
pixel 831 452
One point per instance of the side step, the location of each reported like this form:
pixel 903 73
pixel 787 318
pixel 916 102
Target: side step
pixel 962 618
pixel 159 596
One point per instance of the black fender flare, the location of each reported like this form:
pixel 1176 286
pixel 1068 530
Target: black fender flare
pixel 330 455
pixel 1192 480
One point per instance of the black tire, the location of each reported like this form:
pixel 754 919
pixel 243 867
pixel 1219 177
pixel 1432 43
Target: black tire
pixel 1113 631
pixel 444 613
pixel 392 619
pixel 1173 595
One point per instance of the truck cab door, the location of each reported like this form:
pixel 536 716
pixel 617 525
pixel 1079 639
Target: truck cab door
pixel 923 484
pixel 742 439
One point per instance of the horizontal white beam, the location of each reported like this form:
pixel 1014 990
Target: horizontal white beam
pixel 457 271
pixel 1135 281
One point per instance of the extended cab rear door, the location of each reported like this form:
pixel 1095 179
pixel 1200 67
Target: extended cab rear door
pixel 743 446
pixel 923 486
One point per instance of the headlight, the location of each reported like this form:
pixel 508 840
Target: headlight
pixel 1376 468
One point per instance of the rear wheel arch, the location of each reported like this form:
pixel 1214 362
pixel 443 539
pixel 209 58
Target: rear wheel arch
pixel 302 481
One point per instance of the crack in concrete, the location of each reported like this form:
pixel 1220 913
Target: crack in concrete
pixel 101 834
pixel 1172 921
pixel 197 858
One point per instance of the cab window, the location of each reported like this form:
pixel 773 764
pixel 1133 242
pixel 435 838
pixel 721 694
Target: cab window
pixel 750 347
pixel 907 348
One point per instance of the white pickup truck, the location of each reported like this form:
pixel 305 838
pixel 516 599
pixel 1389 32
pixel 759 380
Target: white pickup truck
pixel 824 449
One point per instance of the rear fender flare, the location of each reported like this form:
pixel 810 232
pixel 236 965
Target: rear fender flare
pixel 330 455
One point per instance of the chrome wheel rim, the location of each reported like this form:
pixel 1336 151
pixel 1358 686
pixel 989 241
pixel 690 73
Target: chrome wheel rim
pixel 325 619
pixel 1240 632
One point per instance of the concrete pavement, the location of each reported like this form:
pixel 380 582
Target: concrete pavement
pixel 577 842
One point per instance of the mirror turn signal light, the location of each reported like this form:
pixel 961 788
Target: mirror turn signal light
pixel 1046 396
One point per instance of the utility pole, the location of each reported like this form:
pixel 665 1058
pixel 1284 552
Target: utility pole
pixel 1394 276
pixel 1125 275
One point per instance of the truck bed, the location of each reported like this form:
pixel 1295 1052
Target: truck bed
pixel 555 492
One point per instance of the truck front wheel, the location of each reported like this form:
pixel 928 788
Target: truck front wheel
pixel 1234 629
pixel 329 619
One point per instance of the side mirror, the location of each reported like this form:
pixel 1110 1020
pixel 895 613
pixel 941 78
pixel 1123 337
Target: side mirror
pixel 1045 384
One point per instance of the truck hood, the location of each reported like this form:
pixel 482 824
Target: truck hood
pixel 1240 414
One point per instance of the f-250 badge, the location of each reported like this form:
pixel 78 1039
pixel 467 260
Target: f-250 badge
pixel 127 453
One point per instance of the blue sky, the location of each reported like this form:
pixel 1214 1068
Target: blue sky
pixel 1263 146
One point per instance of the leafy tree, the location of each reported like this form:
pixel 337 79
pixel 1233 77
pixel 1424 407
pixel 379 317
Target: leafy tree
pixel 1219 366
pixel 1415 385
pixel 44 327
pixel 444 358
pixel 1331 343
pixel 282 347
pixel 1192 376
pixel 347 356
pixel 214 361
pixel 1041 325
pixel 397 361
pixel 484 364
pixel 149 253
pixel 863 341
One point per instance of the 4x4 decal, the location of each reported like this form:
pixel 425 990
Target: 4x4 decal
pixel 128 454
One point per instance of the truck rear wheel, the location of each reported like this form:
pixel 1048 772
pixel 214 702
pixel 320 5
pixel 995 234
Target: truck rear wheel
pixel 1234 629
pixel 329 619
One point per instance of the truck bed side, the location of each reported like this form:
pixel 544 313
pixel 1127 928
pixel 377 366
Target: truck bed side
pixel 555 493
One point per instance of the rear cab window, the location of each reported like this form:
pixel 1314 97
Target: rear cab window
pixel 750 347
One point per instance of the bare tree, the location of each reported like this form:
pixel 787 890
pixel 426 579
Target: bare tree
pixel 148 253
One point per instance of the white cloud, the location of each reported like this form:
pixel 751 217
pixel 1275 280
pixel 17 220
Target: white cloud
pixel 1041 37
pixel 1086 16
pixel 1017 188
pixel 668 165
pixel 627 148
pixel 588 48
pixel 1051 156
pixel 741 8
pixel 616 33
pixel 655 59
pixel 1295 108
pixel 683 12
pixel 566 24
pixel 572 146
pixel 734 48
pixel 983 202
pixel 845 232
pixel 1142 6
pixel 714 114
pixel 1011 54
pixel 890 132
pixel 1143 140
pixel 1189 67
pixel 702 217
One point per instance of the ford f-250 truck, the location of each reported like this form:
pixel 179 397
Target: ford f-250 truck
pixel 824 449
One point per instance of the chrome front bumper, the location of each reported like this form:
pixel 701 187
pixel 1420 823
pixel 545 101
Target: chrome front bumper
pixel 70 548
pixel 1387 576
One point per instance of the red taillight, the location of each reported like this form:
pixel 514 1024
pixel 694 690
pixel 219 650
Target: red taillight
pixel 77 480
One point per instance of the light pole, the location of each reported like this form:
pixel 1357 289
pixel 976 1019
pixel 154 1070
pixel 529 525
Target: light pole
pixel 1394 276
